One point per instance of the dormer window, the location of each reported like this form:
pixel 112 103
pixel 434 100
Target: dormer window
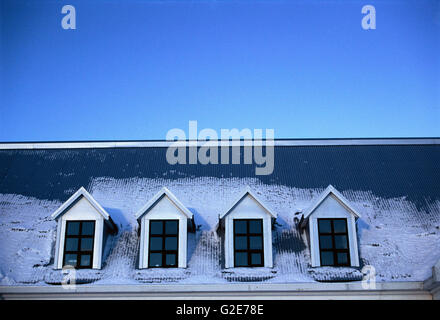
pixel 164 222
pixel 248 243
pixel 78 246
pixel 333 242
pixel 247 228
pixel 83 227
pixel 163 245
pixel 331 225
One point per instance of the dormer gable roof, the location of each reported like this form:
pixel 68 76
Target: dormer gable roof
pixel 78 195
pixel 248 192
pixel 162 193
pixel 330 190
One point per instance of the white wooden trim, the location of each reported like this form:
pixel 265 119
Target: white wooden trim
pixel 244 193
pixel 81 192
pixel 171 196
pixel 248 291
pixel 165 143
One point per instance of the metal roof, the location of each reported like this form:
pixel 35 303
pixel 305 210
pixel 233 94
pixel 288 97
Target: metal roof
pixel 399 167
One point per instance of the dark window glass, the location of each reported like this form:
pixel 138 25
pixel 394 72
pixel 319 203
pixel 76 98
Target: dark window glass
pixel 240 242
pixel 342 258
pixel 255 242
pixel 71 244
pixel 171 260
pixel 72 228
pixel 326 242
pixel 87 244
pixel 340 226
pixel 171 243
pixel 333 242
pixel 341 242
pixel 327 258
pixel 255 226
pixel 325 226
pixel 256 258
pixel 156 243
pixel 156 227
pixel 88 228
pixel 240 226
pixel 78 246
pixel 248 242
pixel 163 248
pixel 171 227
pixel 241 259
pixel 85 260
pixel 70 259
pixel 155 259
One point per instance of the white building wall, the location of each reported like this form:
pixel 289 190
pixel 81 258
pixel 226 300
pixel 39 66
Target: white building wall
pixel 165 209
pixel 82 210
pixel 248 208
pixel 332 208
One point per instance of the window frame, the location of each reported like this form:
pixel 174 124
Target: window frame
pixel 334 250
pixel 163 251
pixel 249 251
pixel 79 252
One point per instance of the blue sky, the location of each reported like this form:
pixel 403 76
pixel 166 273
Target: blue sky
pixel 136 69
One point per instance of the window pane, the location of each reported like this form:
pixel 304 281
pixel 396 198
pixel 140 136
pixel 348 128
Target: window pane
pixel 156 243
pixel 240 242
pixel 88 228
pixel 71 244
pixel 86 244
pixel 85 260
pixel 256 259
pixel 325 226
pixel 256 242
pixel 327 258
pixel 156 227
pixel 240 226
pixel 171 243
pixel 70 259
pixel 340 226
pixel 155 260
pixel 255 226
pixel 342 258
pixel 171 227
pixel 170 259
pixel 341 242
pixel 72 228
pixel 325 242
pixel 241 259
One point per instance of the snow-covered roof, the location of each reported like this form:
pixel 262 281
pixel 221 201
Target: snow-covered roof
pixel 394 186
pixel 247 191
pixel 74 198
pixel 164 192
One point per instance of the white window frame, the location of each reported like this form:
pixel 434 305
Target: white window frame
pixel 331 204
pixel 171 210
pixel 81 206
pixel 248 206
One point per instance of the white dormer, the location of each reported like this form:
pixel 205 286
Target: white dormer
pixel 331 222
pixel 248 232
pixel 81 232
pixel 163 237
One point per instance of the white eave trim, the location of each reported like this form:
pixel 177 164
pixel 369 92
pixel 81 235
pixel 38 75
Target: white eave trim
pixel 244 193
pixel 383 290
pixel 256 142
pixel 82 192
pixel 330 190
pixel 158 196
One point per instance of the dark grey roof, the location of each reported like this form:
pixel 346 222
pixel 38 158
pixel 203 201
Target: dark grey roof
pixel 386 170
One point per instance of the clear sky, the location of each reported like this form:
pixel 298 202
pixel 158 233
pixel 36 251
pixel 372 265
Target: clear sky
pixel 136 69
